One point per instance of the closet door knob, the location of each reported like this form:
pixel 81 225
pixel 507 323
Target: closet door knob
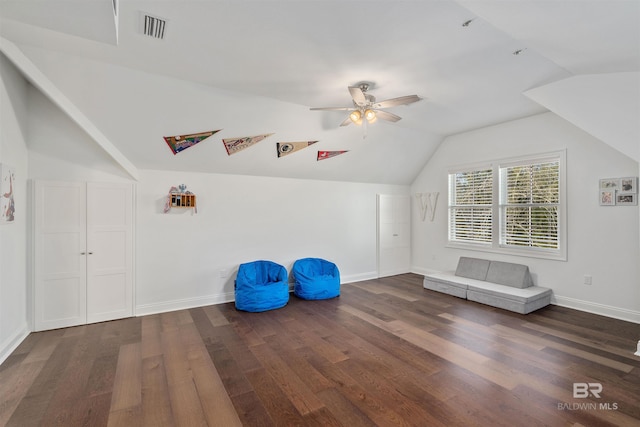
pixel 83 253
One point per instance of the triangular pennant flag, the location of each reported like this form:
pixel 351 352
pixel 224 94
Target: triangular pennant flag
pixel 328 154
pixel 233 145
pixel 285 148
pixel 182 142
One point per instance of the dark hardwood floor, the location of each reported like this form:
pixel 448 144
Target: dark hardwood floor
pixel 386 352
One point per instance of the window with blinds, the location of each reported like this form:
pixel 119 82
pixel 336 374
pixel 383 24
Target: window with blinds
pixel 529 199
pixel 512 206
pixel 470 206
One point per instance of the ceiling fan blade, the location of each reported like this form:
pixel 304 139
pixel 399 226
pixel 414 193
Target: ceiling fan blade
pixel 331 108
pixel 385 115
pixel 403 100
pixel 358 95
pixel 346 122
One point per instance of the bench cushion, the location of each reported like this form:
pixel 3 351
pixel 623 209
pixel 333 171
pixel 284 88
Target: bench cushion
pixel 498 284
pixel 509 274
pixel 472 268
pixel 446 283
pixel 520 300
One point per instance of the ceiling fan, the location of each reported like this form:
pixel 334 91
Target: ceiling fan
pixel 366 109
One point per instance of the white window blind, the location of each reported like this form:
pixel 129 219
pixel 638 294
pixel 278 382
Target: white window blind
pixel 470 206
pixel 529 202
pixel 515 206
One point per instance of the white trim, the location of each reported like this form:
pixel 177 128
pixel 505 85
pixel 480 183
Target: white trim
pixel 134 236
pixel 31 256
pixel 423 271
pixel 470 167
pixel 11 343
pixel 637 353
pixel 527 253
pixel 595 308
pixel 183 304
pixel 371 275
pixel 390 273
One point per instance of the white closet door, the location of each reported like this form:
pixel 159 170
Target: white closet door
pixel 60 255
pixel 394 240
pixel 109 252
pixel 83 265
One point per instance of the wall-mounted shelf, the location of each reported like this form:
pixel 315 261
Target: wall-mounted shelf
pixel 182 200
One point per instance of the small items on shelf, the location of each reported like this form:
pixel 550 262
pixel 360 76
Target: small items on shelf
pixel 183 200
pixel 180 198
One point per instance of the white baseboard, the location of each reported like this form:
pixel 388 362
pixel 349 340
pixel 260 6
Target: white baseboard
pixel 182 304
pixel 423 271
pixel 359 277
pixel 11 343
pixel 186 303
pixel 595 308
pixel 637 353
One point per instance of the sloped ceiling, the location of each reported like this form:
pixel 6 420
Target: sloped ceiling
pixel 94 19
pixel 253 67
pixel 585 101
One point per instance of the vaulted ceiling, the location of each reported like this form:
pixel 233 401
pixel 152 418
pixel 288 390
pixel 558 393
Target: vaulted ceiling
pixel 255 67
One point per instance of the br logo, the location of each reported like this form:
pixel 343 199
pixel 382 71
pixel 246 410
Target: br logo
pixel 584 390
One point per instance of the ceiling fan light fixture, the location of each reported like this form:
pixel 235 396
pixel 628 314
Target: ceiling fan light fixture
pixel 355 116
pixel 366 109
pixel 370 115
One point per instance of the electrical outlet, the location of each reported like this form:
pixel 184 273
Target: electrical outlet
pixel 587 279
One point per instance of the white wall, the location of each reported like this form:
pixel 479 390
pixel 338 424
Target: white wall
pixel 605 105
pixel 13 237
pixel 60 150
pixel 602 241
pixel 181 255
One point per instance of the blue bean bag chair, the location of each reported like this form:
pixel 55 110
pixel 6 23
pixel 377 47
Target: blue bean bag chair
pixel 261 286
pixel 316 278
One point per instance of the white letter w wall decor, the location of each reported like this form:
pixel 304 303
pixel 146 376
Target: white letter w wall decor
pixel 428 202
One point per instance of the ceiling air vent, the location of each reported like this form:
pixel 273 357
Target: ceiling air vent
pixel 153 26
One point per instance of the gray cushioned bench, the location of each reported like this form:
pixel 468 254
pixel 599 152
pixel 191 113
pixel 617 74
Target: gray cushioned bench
pixel 498 284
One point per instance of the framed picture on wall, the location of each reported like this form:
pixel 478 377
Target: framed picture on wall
pixel 7 203
pixel 628 185
pixel 607 197
pixel 610 184
pixel 626 199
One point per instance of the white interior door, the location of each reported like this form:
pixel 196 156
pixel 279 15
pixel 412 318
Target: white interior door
pixel 394 240
pixel 109 252
pixel 60 255
pixel 83 267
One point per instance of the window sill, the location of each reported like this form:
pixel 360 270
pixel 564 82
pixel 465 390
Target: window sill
pixel 526 253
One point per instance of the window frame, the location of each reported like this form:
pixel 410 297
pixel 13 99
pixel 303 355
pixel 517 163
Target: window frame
pixel 496 207
pixel 475 168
